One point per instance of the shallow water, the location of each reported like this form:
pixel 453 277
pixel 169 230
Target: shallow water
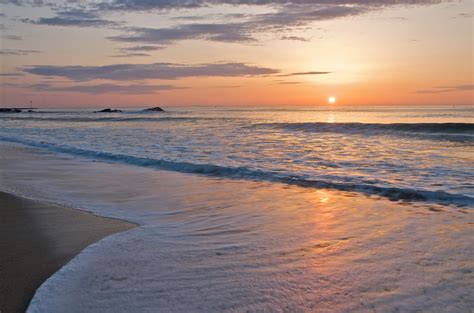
pixel 220 245
pixel 416 154
pixel 286 210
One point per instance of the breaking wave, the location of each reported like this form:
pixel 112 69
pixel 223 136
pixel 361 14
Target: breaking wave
pixel 211 170
pixel 445 131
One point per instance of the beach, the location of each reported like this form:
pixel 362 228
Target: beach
pixel 37 239
pixel 220 245
pixel 236 156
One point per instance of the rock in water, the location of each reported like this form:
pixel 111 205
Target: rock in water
pixel 155 109
pixel 109 111
pixel 10 110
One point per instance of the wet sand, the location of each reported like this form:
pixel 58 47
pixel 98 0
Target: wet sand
pixel 36 240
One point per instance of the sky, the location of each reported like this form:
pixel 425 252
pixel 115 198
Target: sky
pixel 139 53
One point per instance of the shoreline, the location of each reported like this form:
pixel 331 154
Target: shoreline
pixel 37 239
pixel 211 245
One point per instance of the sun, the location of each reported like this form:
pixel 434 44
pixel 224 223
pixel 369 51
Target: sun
pixel 332 100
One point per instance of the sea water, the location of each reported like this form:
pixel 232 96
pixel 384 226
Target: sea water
pixel 408 153
pixel 244 210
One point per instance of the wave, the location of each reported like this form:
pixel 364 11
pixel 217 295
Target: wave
pixel 392 193
pixel 408 127
pixel 447 131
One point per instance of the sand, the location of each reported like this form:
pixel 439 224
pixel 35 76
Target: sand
pixel 36 240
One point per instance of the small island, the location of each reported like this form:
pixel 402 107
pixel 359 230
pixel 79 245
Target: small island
pixel 155 109
pixel 109 111
pixel 16 110
pixel 10 110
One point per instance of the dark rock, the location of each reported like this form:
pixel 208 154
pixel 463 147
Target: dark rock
pixel 9 110
pixel 109 111
pixel 155 109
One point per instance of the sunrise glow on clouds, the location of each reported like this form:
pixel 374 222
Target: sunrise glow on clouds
pixel 197 52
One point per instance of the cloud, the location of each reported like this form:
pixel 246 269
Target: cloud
pixel 232 32
pixel 23 2
pixel 136 51
pixel 11 74
pixel 104 88
pixel 465 15
pixel 285 17
pixel 294 38
pixel 131 54
pixel 17 52
pixel 167 71
pixel 73 17
pixel 12 37
pixel 304 73
pixel 443 89
pixel 145 5
pixel 220 16
pixel 142 48
pixel 289 83
pixel 282 15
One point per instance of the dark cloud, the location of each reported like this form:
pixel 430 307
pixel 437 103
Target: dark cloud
pixel 141 5
pixel 17 52
pixel 23 2
pixel 105 88
pixel 11 74
pixel 299 15
pixel 286 15
pixel 73 17
pixel 131 54
pixel 167 71
pixel 305 73
pixel 284 18
pixel 141 48
pixel 136 51
pixel 443 89
pixel 233 32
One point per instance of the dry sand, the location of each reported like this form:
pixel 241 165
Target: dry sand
pixel 36 240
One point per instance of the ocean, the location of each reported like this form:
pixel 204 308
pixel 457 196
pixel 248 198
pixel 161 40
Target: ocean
pixel 401 153
pixel 256 209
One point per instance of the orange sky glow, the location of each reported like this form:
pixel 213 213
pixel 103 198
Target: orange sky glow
pixel 130 53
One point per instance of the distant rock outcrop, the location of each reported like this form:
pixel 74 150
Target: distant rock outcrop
pixel 155 109
pixel 10 110
pixel 109 111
